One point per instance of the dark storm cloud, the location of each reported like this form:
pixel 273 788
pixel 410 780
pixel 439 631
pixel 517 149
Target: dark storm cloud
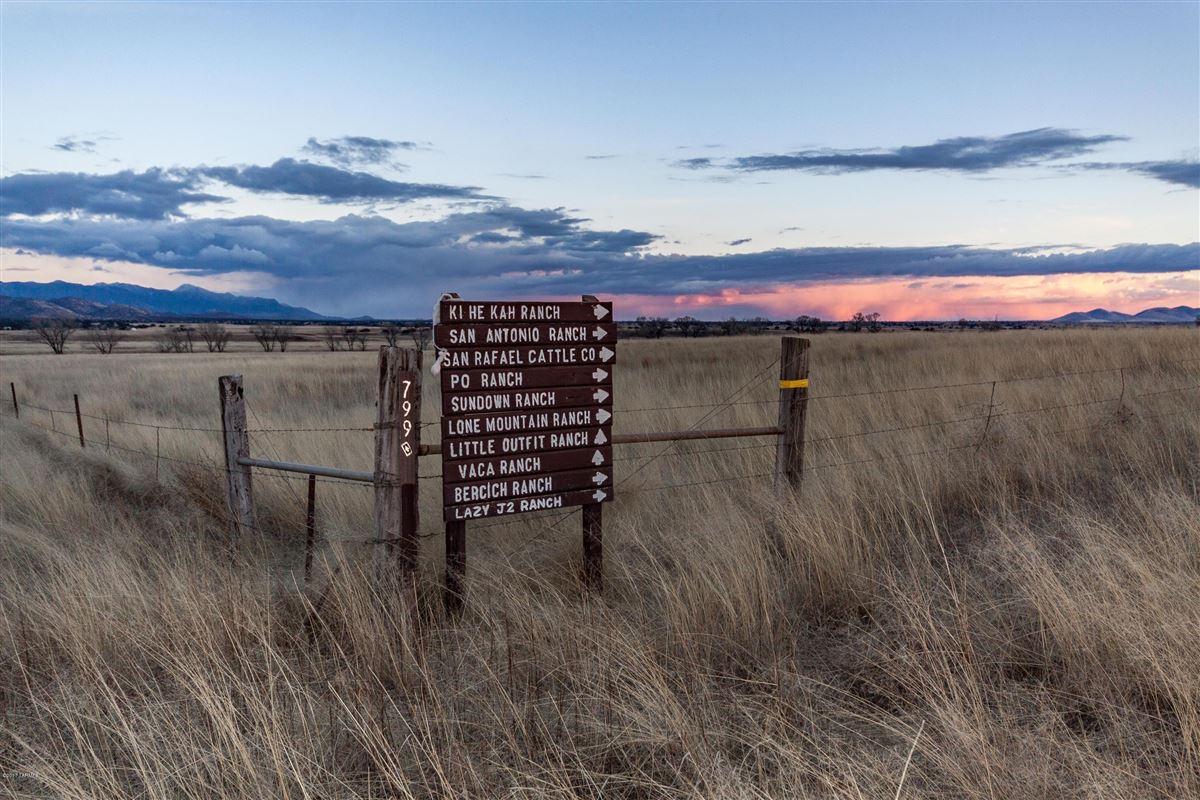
pixel 331 184
pixel 972 154
pixel 72 144
pixel 149 195
pixel 348 151
pixel 158 193
pixel 368 263
pixel 700 162
pixel 1181 172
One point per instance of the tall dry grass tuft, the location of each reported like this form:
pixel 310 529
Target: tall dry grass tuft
pixel 1013 618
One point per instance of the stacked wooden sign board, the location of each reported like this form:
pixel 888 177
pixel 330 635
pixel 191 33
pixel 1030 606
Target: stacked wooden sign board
pixel 527 398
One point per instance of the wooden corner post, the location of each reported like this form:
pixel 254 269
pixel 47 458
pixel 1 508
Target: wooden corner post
pixel 793 407
pixel 79 422
pixel 237 445
pixel 397 440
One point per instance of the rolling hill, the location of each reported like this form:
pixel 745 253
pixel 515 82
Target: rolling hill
pixel 128 301
pixel 1161 315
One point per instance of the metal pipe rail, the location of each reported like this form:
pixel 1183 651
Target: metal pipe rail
pixel 665 436
pixel 435 449
pixel 309 469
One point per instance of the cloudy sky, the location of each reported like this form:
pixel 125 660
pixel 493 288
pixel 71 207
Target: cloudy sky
pixel 922 160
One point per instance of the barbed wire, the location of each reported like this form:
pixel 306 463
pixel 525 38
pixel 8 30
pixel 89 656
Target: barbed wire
pixel 547 529
pixel 925 387
pixel 716 406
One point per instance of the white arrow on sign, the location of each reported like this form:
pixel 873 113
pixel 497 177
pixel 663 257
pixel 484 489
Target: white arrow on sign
pixel 599 478
pixel 599 395
pixel 600 311
pixel 603 416
pixel 597 458
pixel 599 333
pixel 599 374
pixel 598 495
pixel 606 354
pixel 600 437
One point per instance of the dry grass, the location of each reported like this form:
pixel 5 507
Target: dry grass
pixel 1018 618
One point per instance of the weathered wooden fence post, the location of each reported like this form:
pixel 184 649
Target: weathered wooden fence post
pixel 79 422
pixel 793 407
pixel 310 527
pixel 397 440
pixel 237 445
pixel 16 408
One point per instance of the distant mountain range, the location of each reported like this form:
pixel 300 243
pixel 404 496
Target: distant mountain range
pixel 1162 314
pixel 20 300
pixel 23 301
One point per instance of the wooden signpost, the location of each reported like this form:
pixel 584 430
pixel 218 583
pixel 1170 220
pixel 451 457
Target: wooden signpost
pixel 527 399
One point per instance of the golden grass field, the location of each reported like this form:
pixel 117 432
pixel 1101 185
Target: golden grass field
pixel 1015 618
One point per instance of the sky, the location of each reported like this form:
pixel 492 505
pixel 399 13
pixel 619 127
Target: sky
pixel 922 160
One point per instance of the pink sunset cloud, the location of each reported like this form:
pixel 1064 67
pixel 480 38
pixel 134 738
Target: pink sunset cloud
pixel 907 299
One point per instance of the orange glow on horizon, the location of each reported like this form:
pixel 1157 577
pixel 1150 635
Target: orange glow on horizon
pixel 1032 297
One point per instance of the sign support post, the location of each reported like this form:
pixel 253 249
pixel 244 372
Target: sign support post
pixel 456 564
pixel 397 440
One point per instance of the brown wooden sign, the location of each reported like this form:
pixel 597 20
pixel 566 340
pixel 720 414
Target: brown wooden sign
pixel 499 508
pixel 455 448
pixel 522 399
pixel 485 335
pixel 524 421
pixel 486 380
pixel 459 311
pixel 536 356
pixel 523 486
pixel 527 398
pixel 525 464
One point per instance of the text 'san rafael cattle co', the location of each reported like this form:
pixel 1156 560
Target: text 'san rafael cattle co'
pixel 527 397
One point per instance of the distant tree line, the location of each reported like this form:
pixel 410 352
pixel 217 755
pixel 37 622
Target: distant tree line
pixel 690 327
pixel 215 337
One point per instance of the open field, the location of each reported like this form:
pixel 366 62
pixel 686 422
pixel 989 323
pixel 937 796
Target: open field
pixel 962 604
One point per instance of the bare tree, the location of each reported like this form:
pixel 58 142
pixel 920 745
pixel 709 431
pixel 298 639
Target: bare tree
pixel 104 340
pixel 689 326
pixel 873 325
pixel 187 343
pixel 651 327
pixel 731 327
pixel 420 336
pixel 215 336
pixel 758 324
pixel 172 340
pixel 391 333
pixel 264 334
pixel 282 337
pixel 354 336
pixel 330 336
pixel 807 324
pixel 55 332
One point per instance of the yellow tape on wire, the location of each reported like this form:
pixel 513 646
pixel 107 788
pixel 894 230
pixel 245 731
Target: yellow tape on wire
pixel 800 383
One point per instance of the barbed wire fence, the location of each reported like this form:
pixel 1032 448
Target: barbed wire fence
pixel 546 523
